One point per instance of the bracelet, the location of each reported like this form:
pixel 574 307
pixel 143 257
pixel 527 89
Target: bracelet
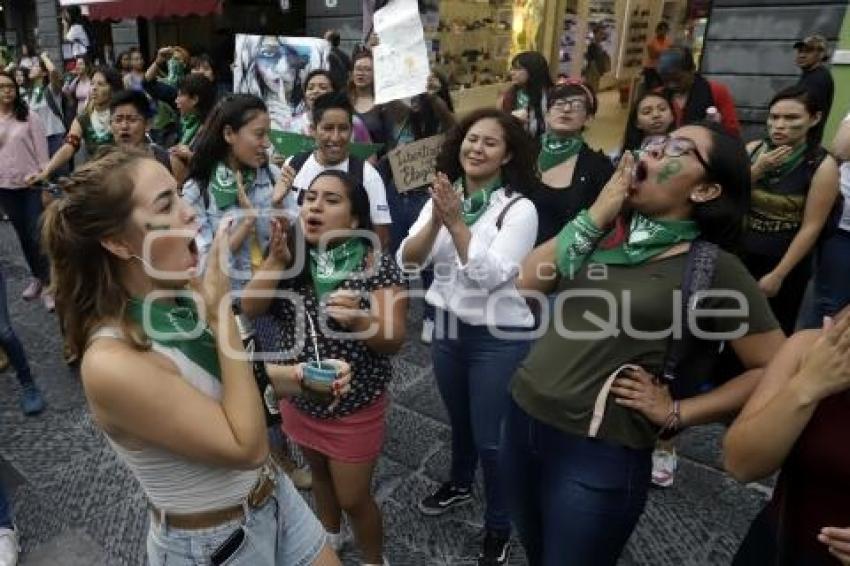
pixel 673 423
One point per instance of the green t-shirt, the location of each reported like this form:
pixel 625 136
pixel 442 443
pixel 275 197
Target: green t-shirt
pixel 586 341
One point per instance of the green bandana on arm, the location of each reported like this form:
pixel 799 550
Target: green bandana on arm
pixel 174 324
pixel 176 71
pixel 189 125
pixel 555 150
pixel 223 186
pixel 791 162
pixel 330 267
pixel 474 205
pixel 646 238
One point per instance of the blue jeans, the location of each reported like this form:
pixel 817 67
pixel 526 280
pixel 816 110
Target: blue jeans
pixel 473 372
pixel 5 509
pixel 283 531
pixel 831 279
pixel 405 209
pixel 24 209
pixel 574 500
pixel 10 342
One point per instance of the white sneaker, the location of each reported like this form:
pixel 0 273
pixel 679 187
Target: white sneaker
pixel 8 547
pixel 427 331
pixel 664 464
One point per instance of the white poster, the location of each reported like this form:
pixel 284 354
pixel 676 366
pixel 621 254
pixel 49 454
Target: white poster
pixel 401 58
pixel 274 68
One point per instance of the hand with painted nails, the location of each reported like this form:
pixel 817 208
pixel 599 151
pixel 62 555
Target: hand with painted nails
pixel 838 541
pixel 639 390
pixel 767 161
pixel 613 195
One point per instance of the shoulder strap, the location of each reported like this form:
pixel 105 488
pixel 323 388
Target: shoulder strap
pixel 501 219
pixel 357 169
pixel 54 107
pixel 698 276
pixel 299 159
pixel 756 149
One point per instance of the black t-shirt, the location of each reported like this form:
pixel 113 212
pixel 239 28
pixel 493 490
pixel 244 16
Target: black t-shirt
pixel 818 81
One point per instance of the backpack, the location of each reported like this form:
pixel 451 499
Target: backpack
pixel 356 168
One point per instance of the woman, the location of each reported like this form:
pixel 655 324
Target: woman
pixel 795 422
pixel 345 286
pixel 134 80
pixel 22 82
pixel 526 97
pixel 122 64
pixel 587 409
pixel 361 92
pixel 438 85
pixel 573 174
pixel 194 101
pixel 179 407
pixel 652 115
pixel 91 128
pixel 795 183
pixel 79 89
pixel 23 152
pixel 45 99
pixel 475 230
pixel 74 31
pixel 317 83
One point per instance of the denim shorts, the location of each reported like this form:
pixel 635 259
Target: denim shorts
pixel 284 531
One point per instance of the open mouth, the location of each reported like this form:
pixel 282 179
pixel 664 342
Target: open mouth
pixel 313 223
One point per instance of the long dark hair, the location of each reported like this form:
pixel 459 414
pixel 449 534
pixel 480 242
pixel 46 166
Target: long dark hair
pixel 444 89
pixel 721 220
pixel 19 105
pixel 812 105
pixel 518 174
pixel 234 110
pixel 362 54
pixel 538 84
pixel 634 136
pixel 203 89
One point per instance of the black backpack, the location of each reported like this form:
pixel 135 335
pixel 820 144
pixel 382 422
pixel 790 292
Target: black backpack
pixel 356 168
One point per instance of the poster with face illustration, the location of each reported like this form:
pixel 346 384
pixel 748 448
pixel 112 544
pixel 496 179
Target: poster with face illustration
pixel 274 68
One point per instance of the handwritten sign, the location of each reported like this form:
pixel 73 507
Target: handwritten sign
pixel 413 164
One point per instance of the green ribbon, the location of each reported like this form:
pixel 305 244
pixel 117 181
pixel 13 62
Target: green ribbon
pixel 331 266
pixel 791 162
pixel 223 187
pixel 557 149
pixel 176 71
pixel 189 125
pixel 579 241
pixel 474 205
pixel 173 325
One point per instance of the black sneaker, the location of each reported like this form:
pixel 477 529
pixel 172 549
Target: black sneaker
pixel 446 497
pixel 497 549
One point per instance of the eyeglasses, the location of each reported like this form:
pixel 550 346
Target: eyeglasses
pixel 564 105
pixel 674 147
pixel 131 120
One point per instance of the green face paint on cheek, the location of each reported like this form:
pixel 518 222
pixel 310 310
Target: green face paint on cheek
pixel 672 168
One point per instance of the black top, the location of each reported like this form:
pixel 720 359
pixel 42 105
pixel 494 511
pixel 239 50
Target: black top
pixel 557 206
pixel 374 123
pixel 818 81
pixel 340 67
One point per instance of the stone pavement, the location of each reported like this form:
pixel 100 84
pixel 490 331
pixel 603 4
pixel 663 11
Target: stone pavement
pixel 76 505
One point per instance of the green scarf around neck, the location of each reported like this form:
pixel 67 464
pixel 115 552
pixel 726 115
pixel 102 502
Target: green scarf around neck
pixel 189 125
pixel 223 187
pixel 474 205
pixel 172 325
pixel 791 162
pixel 555 149
pixel 330 267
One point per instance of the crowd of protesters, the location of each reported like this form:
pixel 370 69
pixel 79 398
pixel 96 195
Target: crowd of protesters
pixel 128 185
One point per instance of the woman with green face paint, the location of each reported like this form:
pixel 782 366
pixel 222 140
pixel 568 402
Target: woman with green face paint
pixel 795 183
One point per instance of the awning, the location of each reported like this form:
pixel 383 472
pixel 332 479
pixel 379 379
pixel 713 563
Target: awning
pixel 152 9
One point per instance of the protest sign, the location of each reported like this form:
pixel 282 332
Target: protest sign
pixel 414 164
pixel 401 58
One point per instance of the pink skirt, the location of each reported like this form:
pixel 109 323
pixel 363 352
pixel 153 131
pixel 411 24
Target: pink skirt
pixel 353 439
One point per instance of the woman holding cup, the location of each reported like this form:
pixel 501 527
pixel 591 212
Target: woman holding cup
pixel 343 310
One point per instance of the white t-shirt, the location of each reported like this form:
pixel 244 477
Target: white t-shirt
pixel 845 191
pixel 79 39
pixel 372 182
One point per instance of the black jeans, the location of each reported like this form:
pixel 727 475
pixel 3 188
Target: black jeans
pixel 24 209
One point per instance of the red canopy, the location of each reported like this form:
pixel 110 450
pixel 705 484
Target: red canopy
pixel 152 9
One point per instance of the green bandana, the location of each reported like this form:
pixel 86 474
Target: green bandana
pixel 474 205
pixel 791 162
pixel 37 94
pixel 176 71
pixel 174 324
pixel 555 150
pixel 223 186
pixel 330 267
pixel 522 100
pixel 189 126
pixel 580 240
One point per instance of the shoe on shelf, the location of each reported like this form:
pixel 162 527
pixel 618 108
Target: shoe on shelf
pixel 32 402
pixel 49 301
pixel 33 290
pixel 4 360
pixel 664 464
pixel 497 549
pixel 427 331
pixel 8 547
pixel 446 497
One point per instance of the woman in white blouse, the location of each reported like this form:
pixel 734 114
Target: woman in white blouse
pixel 476 230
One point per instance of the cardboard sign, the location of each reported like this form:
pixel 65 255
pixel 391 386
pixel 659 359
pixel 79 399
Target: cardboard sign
pixel 414 164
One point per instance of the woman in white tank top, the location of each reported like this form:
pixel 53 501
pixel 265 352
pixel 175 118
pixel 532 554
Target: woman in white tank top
pixel 163 374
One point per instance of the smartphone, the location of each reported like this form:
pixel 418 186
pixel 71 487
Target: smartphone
pixel 228 548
